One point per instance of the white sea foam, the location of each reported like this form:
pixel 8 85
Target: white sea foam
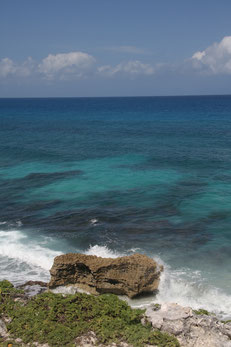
pixel 22 258
pixel 15 244
pixel 71 289
pixel 94 221
pixel 102 251
pixel 189 288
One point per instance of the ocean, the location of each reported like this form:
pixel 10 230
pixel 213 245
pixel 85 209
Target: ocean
pixel 115 176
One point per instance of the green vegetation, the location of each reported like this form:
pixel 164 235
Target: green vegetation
pixel 226 321
pixel 156 307
pixel 57 319
pixel 201 311
pixel 7 288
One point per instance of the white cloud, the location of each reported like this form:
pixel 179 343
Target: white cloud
pixel 216 58
pixel 66 65
pixel 198 55
pixel 131 68
pixel 8 67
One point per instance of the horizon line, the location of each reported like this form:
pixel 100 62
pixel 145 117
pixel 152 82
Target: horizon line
pixel 113 96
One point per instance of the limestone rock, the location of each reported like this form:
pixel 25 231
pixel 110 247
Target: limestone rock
pixel 130 275
pixel 32 288
pixel 90 339
pixel 190 329
pixel 3 329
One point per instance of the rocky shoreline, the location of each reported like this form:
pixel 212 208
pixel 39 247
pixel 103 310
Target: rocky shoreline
pixel 26 313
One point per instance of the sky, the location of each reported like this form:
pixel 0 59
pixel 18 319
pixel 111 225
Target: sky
pixel 75 48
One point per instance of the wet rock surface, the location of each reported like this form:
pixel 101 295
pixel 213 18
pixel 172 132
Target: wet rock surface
pixel 131 275
pixel 191 330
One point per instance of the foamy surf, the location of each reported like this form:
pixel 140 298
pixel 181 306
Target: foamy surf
pixel 102 251
pixel 23 259
pixel 189 288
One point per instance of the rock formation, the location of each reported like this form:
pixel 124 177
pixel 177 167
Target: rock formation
pixel 191 330
pixel 130 275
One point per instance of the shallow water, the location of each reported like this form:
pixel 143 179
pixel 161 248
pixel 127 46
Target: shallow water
pixel 114 176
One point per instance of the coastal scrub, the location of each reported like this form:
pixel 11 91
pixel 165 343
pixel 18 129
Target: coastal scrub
pixel 59 319
pixel 202 311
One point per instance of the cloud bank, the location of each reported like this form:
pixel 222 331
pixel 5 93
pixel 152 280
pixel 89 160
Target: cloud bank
pixel 215 59
pixel 63 65
pixel 73 65
pixel 9 68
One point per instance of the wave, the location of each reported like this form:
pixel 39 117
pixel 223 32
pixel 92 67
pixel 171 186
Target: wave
pixel 189 288
pixel 103 251
pixel 17 245
pixel 22 258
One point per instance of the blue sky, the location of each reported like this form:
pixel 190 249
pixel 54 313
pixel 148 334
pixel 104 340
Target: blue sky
pixel 114 48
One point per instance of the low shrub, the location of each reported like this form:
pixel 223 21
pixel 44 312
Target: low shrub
pixel 57 319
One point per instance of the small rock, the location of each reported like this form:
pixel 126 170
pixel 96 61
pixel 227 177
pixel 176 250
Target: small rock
pixel 18 340
pixel 33 283
pixel 87 340
pixel 3 329
pixel 32 288
pixel 168 313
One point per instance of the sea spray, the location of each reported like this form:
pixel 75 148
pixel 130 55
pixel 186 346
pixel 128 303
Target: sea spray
pixel 22 258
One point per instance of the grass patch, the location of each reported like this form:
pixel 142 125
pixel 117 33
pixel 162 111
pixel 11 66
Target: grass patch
pixel 226 321
pixel 202 311
pixel 57 319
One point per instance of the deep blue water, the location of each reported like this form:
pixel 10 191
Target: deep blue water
pixel 111 176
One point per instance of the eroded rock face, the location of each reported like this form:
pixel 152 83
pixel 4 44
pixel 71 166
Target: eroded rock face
pixel 131 275
pixel 190 329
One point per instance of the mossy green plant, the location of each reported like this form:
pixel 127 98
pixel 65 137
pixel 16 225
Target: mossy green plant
pixel 226 321
pixel 156 307
pixel 58 320
pixel 202 311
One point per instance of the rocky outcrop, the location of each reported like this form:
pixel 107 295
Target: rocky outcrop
pixel 191 330
pixel 131 275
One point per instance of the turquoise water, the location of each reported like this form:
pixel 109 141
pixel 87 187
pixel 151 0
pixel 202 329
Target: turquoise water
pixel 112 176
